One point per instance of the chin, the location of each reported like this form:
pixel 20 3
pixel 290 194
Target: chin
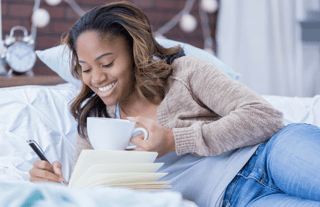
pixel 109 102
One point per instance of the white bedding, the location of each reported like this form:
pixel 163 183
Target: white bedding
pixel 42 113
pixel 39 113
pixel 297 109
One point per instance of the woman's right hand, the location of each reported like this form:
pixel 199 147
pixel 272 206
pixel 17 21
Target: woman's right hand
pixel 42 171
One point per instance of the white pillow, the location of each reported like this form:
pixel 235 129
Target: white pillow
pixel 58 59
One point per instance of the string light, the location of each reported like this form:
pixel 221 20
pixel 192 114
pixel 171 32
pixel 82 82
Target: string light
pixel 188 23
pixel 40 18
pixel 209 6
pixel 208 43
pixel 53 2
pixel 75 7
pixel 174 21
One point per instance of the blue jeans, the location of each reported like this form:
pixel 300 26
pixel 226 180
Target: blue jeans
pixel 285 171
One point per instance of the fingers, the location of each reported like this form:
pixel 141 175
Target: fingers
pixel 43 171
pixel 40 179
pixel 160 140
pixel 43 175
pixel 57 167
pixel 142 120
pixel 138 140
pixel 41 164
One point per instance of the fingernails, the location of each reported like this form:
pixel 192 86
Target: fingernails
pixel 61 179
pixel 58 171
pixel 130 118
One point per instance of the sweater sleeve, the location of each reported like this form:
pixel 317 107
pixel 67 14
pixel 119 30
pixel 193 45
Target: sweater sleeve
pixel 81 143
pixel 246 117
pixel 84 143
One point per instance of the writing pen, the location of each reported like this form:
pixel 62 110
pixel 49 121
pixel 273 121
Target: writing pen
pixel 37 149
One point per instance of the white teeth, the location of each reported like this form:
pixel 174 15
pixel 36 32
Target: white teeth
pixel 108 87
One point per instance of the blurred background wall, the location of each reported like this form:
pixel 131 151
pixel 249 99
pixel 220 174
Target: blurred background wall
pixel 62 17
pixel 273 44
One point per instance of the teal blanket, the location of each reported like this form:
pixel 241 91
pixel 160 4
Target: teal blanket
pixel 27 194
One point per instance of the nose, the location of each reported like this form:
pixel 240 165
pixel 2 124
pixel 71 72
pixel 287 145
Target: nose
pixel 98 77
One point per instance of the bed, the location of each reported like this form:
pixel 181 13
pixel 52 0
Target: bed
pixel 42 113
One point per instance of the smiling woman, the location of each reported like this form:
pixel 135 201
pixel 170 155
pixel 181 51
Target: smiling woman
pixel 210 131
pixel 114 51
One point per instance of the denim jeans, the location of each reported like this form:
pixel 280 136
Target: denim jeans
pixel 285 171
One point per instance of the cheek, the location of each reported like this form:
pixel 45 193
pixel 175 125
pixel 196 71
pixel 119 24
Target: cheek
pixel 127 80
pixel 85 79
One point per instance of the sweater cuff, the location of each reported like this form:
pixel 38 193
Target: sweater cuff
pixel 184 140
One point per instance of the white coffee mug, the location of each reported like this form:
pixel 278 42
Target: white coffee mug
pixel 112 134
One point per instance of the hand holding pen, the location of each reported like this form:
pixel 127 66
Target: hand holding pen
pixel 42 170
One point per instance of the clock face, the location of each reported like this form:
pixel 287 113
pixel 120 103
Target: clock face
pixel 20 57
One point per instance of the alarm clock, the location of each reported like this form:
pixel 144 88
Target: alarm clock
pixel 19 54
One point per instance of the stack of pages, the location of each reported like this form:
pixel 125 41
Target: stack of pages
pixel 131 169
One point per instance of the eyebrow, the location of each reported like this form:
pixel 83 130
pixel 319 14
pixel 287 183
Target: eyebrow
pixel 105 54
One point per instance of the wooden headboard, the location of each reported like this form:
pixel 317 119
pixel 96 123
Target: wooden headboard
pixel 6 81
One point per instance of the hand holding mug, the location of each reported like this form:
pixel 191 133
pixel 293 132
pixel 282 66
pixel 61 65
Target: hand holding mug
pixel 160 139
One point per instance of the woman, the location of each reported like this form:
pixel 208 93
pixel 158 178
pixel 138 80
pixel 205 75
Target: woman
pixel 206 127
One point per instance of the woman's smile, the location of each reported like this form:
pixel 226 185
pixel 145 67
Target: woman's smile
pixel 107 90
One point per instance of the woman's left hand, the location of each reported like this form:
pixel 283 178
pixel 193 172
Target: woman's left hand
pixel 160 139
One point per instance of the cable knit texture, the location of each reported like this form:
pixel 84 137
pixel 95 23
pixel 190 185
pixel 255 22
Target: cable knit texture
pixel 209 112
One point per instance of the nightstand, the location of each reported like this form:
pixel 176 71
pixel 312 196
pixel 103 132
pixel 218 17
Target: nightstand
pixel 6 81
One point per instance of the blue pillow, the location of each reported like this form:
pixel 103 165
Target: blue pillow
pixel 58 59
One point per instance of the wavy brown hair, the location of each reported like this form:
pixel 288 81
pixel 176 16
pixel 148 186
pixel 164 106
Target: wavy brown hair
pixel 150 74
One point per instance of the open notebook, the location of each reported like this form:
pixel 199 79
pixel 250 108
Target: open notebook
pixel 131 169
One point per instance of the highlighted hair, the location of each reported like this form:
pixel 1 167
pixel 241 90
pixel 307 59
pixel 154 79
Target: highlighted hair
pixel 150 74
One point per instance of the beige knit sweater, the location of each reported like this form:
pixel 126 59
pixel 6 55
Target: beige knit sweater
pixel 209 112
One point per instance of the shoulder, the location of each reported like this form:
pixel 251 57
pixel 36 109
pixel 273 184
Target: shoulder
pixel 188 65
pixel 191 63
pixel 191 59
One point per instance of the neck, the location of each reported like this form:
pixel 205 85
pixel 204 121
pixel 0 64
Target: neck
pixel 134 104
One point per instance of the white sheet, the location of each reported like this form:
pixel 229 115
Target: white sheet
pixel 296 109
pixel 40 113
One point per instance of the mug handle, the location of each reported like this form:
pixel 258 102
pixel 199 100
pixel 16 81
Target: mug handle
pixel 140 129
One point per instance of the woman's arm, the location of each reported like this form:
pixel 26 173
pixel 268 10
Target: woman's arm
pixel 246 117
pixel 82 143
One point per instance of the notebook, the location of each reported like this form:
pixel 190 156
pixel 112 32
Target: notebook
pixel 118 168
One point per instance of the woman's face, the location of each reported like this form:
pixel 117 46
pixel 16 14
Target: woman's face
pixel 107 66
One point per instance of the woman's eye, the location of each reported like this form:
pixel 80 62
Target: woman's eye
pixel 86 71
pixel 106 66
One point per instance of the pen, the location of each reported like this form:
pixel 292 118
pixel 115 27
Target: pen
pixel 37 149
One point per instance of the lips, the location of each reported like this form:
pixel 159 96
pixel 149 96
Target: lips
pixel 104 91
pixel 106 88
